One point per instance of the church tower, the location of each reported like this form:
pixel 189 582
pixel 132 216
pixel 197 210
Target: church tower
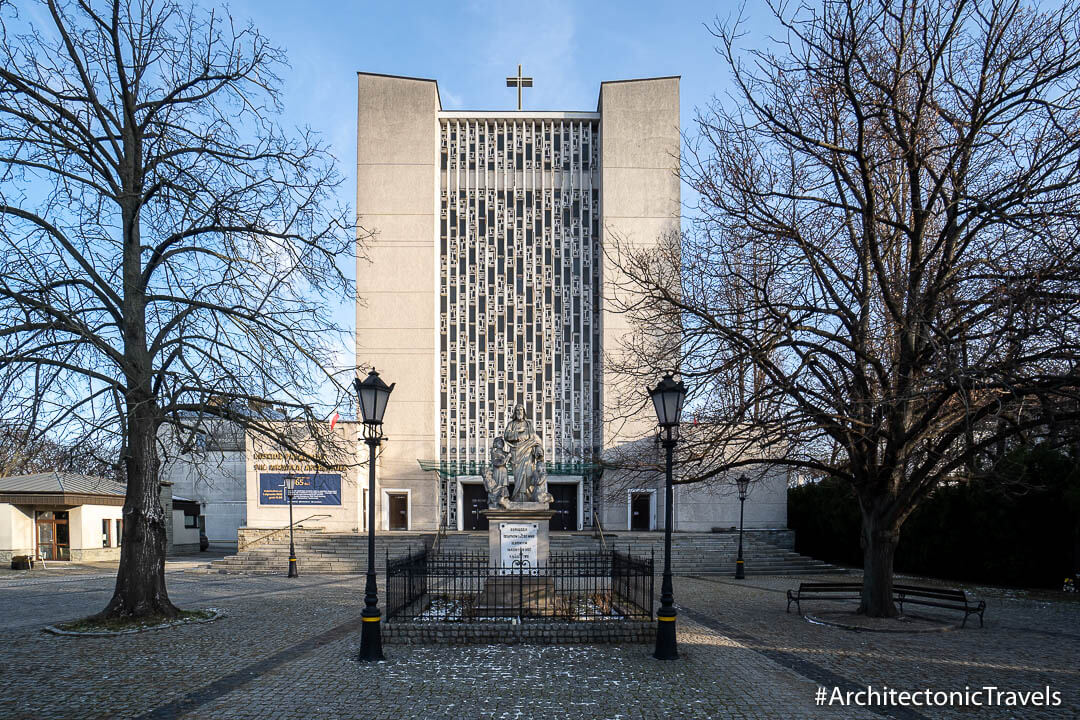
pixel 484 284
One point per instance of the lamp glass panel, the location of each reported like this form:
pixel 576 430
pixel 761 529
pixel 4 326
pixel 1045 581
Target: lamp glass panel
pixel 368 397
pixel 671 407
pixel 658 402
pixel 382 395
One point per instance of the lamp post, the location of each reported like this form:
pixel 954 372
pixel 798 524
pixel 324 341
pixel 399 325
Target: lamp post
pixel 744 483
pixel 290 485
pixel 667 397
pixel 373 394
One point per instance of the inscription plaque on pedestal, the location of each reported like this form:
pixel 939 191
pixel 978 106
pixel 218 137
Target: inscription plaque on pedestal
pixel 518 544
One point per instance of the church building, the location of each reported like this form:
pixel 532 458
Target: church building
pixel 483 282
pixel 486 284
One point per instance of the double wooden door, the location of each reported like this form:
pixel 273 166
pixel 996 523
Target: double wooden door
pixel 53 539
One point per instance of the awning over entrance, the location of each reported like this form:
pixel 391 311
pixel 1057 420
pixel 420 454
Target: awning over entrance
pixel 454 468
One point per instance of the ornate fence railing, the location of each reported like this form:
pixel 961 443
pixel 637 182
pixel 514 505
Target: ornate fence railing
pixel 465 587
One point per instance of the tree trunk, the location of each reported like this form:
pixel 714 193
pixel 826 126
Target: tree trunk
pixel 140 581
pixel 879 538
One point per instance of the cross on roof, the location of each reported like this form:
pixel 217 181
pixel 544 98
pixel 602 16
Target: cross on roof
pixel 519 82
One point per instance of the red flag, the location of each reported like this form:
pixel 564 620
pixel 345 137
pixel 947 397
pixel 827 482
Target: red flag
pixel 333 421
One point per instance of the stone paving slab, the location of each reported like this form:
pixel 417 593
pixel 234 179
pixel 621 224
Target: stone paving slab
pixel 287 649
pixel 714 678
pixel 1029 642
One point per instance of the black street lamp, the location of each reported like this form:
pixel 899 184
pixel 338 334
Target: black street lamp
pixel 290 485
pixel 667 397
pixel 373 393
pixel 744 483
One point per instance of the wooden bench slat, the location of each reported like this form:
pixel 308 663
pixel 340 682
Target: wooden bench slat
pixel 947 598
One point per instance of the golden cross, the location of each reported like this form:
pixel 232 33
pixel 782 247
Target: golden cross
pixel 520 82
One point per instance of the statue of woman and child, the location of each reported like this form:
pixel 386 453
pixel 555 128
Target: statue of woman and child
pixel 520 451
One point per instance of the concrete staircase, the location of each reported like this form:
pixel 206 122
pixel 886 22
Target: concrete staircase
pixel 715 554
pixel 691 553
pixel 320 552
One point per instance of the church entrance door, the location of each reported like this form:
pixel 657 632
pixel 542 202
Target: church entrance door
pixel 565 505
pixel 398 511
pixel 640 511
pixel 474 501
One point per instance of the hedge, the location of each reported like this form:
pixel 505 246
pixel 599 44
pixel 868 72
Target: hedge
pixel 1019 526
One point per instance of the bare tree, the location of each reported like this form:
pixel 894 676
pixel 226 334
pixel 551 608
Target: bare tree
pixel 882 283
pixel 22 453
pixel 167 249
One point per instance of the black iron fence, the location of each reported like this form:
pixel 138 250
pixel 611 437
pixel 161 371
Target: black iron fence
pixel 465 587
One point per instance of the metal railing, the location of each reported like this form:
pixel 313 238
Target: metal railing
pixel 272 533
pixel 599 531
pixel 465 587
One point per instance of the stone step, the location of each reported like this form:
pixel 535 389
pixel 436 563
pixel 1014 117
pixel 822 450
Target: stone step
pixel 704 553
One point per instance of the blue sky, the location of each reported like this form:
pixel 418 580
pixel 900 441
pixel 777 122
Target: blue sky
pixel 568 48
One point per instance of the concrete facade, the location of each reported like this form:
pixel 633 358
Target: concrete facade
pixel 88 541
pixel 347 515
pixel 397 150
pixel 16 531
pixel 438 193
pixel 698 507
pixel 485 279
pixel 184 539
pixel 640 205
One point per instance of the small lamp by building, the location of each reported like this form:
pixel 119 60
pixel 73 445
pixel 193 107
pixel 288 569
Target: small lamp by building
pixel 744 484
pixel 290 486
pixel 373 394
pixel 668 397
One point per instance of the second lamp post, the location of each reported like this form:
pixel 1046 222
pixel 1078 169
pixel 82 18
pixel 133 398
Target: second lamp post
pixel 374 394
pixel 667 397
pixel 744 483
pixel 290 486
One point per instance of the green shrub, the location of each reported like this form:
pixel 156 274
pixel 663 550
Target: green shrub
pixel 1019 526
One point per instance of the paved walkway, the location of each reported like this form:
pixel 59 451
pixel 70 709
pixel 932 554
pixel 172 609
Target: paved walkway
pixel 286 650
pixel 1029 642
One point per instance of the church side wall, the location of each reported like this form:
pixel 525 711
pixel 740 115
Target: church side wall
pixel 639 136
pixel 272 512
pixel 700 508
pixel 397 140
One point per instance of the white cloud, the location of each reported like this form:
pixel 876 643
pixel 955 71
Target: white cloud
pixel 542 38
pixel 450 101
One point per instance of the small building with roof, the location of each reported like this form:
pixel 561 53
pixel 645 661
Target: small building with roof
pixel 61 516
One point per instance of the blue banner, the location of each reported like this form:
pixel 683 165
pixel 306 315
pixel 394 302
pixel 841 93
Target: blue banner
pixel 311 489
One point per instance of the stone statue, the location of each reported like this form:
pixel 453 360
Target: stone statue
pixel 495 477
pixel 539 491
pixel 526 459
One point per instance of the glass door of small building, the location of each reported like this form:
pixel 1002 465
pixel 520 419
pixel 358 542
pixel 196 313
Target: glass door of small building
pixel 53 540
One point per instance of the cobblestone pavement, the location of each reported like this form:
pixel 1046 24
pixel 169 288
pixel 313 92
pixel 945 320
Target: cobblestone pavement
pixel 286 649
pixel 1029 642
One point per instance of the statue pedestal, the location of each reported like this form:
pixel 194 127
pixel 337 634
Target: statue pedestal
pixel 518 544
pixel 518 536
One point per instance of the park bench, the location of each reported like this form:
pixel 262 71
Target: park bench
pixel 911 594
pixel 823 591
pixel 939 597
